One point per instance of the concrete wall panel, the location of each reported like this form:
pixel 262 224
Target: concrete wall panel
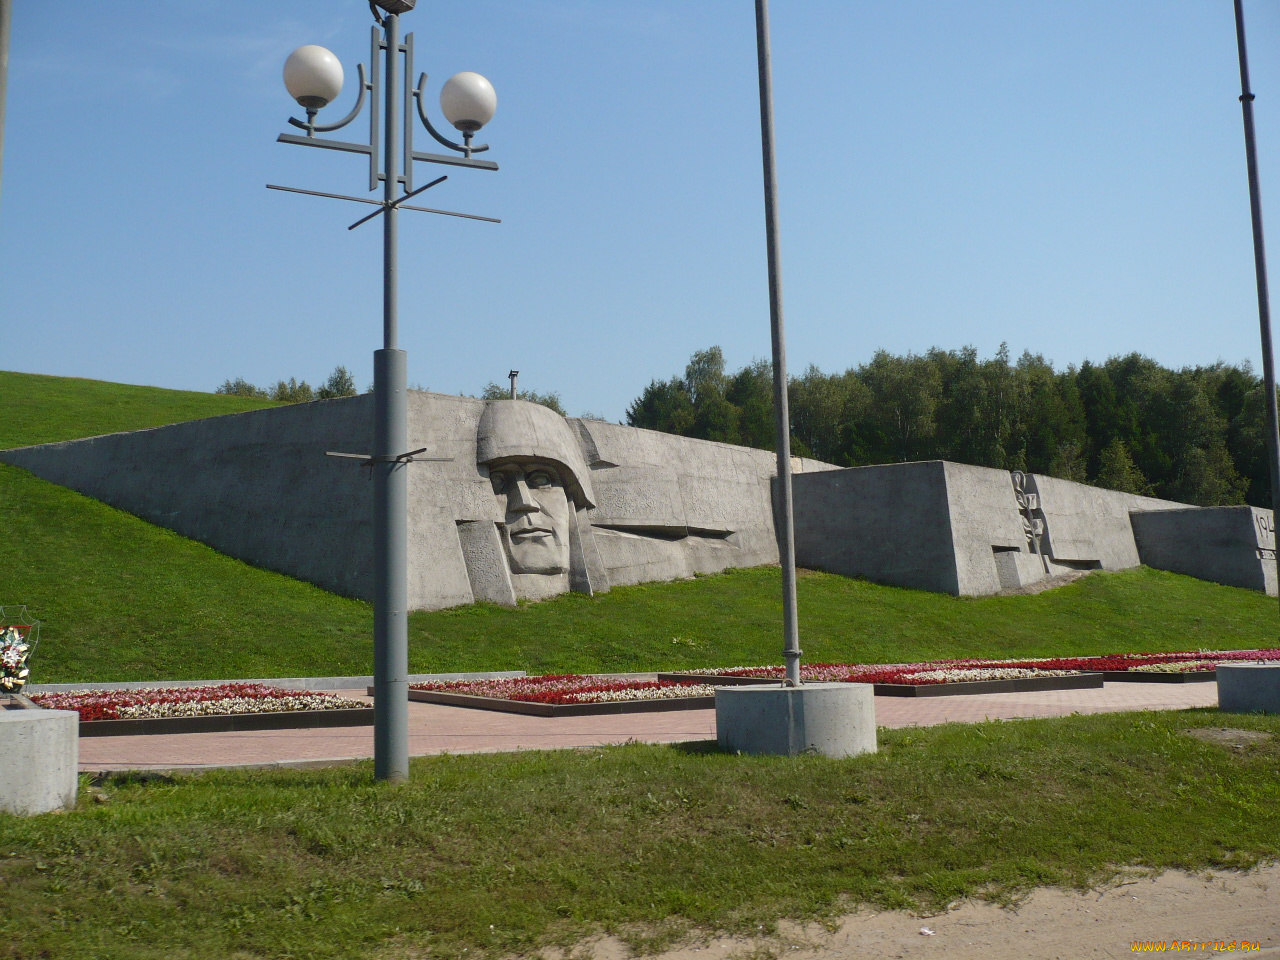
pixel 1231 545
pixel 888 524
pixel 1092 524
pixel 983 514
pixel 256 486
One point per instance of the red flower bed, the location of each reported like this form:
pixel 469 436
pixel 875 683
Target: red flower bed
pixel 935 671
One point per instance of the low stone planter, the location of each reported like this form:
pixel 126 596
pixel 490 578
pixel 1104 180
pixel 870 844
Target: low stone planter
pixel 1146 676
pixel 718 680
pixel 1080 681
pixel 1249 687
pixel 830 719
pixel 228 722
pixel 560 709
pixel 41 753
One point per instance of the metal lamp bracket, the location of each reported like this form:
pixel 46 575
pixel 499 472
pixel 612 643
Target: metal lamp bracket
pixel 410 457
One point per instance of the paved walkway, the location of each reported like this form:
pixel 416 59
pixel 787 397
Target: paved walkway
pixel 435 729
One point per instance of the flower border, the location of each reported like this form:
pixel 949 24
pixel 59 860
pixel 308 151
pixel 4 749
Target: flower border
pixel 212 700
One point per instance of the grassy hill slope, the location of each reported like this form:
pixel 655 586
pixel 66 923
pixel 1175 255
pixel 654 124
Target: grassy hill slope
pixel 124 600
pixel 40 409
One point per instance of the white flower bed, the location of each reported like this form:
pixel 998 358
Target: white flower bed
pixel 201 701
pixel 237 705
pixel 660 693
pixel 963 674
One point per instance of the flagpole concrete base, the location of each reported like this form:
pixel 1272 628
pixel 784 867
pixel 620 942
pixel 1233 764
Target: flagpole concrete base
pixel 830 719
pixel 1249 687
pixel 40 752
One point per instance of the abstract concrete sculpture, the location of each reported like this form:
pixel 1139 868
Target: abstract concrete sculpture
pixel 527 504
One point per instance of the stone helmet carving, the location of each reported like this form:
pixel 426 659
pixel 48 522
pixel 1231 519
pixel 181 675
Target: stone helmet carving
pixel 517 431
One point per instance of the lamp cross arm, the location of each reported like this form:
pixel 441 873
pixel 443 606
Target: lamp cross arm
pixel 395 204
pixel 331 196
pixel 410 457
pixel 342 145
pixel 364 148
pixel 383 205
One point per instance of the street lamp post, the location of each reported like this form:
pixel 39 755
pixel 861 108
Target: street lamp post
pixel 313 76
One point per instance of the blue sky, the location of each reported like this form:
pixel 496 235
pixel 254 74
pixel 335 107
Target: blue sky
pixel 1068 177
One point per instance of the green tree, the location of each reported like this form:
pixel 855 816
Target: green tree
pixel 750 391
pixel 905 393
pixel 1247 443
pixel 1068 463
pixel 339 384
pixel 240 387
pixel 493 391
pixel 714 417
pixel 1119 472
pixel 961 433
pixel 292 392
pixel 1207 477
pixel 664 405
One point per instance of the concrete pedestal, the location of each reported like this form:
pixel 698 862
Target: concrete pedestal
pixel 831 719
pixel 1249 687
pixel 39 759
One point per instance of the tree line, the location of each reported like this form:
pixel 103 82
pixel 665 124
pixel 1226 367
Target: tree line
pixel 1196 435
pixel 342 384
pixel 339 384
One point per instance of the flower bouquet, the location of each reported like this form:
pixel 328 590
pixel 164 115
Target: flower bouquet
pixel 18 639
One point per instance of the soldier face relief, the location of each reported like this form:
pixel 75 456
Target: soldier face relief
pixel 537 516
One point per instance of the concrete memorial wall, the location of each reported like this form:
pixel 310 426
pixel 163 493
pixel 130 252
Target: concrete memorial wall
pixel 527 504
pixel 975 531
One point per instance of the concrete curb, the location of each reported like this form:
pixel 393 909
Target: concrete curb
pixel 229 723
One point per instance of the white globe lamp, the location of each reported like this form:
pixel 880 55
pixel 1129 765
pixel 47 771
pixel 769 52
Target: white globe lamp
pixel 313 76
pixel 468 101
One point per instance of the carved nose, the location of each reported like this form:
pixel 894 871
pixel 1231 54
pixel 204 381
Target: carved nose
pixel 518 498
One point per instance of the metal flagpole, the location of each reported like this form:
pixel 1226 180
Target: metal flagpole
pixel 1260 269
pixel 6 8
pixel 785 518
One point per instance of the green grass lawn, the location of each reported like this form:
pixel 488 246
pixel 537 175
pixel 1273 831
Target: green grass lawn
pixel 40 409
pixel 121 599
pixel 499 854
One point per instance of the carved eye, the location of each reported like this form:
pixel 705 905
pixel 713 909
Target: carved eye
pixel 499 481
pixel 537 479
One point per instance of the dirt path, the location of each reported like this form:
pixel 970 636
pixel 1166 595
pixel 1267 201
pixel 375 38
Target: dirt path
pixel 1189 915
